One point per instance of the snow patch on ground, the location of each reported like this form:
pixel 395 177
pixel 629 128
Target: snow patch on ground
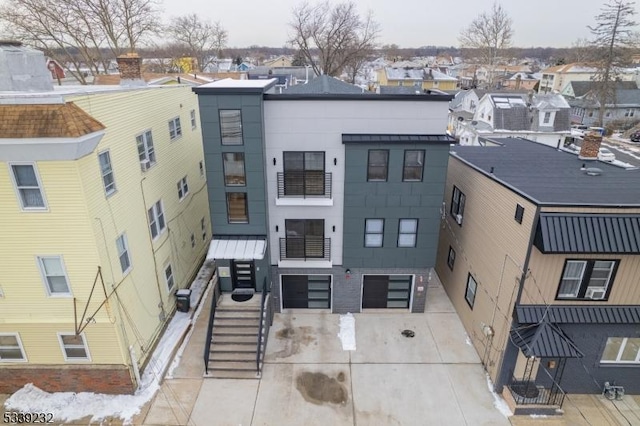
pixel 347 332
pixel 498 402
pixel 467 340
pixel 69 406
pixel 538 416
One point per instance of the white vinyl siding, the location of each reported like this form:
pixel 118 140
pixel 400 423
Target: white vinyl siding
pixel 28 186
pixel 74 347
pixel 54 275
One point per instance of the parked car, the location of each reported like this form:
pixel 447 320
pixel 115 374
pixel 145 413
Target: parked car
pixel 635 136
pixel 606 155
pixel 579 129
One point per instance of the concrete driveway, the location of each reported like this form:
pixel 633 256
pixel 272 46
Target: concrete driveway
pixel 434 378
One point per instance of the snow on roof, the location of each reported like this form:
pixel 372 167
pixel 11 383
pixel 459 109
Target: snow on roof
pixel 240 84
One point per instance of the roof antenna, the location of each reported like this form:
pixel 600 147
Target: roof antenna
pixel 491 170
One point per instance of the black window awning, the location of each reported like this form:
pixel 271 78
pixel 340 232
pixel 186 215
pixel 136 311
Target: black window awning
pixel 544 340
pixel 591 234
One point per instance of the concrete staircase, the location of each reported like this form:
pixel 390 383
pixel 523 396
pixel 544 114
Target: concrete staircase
pixel 234 341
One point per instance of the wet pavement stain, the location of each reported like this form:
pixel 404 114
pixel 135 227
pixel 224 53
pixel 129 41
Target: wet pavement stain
pixel 293 339
pixel 318 388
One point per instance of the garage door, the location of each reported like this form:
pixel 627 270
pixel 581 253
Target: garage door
pixel 386 291
pixel 306 291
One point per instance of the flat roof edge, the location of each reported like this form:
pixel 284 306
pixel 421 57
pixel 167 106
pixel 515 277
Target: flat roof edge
pixel 365 96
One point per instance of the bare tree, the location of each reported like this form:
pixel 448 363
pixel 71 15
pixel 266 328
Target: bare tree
pixel 200 39
pixel 82 35
pixel 613 39
pixel 332 37
pixel 490 34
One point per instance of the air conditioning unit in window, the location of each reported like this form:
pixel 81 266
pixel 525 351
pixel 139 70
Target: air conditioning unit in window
pixel 144 165
pixel 595 293
pixel 459 219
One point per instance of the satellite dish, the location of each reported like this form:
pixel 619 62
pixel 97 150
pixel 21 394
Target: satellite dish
pixel 474 122
pixel 460 118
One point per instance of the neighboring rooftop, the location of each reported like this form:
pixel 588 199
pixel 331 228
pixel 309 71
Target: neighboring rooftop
pixel 229 85
pixel 324 84
pixel 549 176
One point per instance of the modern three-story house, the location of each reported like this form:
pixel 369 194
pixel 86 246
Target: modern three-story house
pixel 330 194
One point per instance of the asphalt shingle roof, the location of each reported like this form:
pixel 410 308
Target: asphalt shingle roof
pixel 552 177
pixel 46 121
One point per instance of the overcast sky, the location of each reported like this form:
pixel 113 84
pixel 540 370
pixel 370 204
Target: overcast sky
pixel 408 23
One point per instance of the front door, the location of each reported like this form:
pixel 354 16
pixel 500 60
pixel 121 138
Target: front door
pixel 243 274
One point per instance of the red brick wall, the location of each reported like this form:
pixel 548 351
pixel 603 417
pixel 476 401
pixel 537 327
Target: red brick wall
pixel 112 379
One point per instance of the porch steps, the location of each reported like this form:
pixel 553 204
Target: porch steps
pixel 233 346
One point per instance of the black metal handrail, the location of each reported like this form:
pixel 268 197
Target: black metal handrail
pixel 212 314
pixel 305 248
pixel 525 392
pixel 304 184
pixel 262 309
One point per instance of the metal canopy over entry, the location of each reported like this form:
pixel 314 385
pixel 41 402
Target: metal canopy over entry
pixel 237 248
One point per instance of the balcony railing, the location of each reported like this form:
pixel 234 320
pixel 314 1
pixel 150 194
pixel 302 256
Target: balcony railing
pixel 304 184
pixel 305 248
pixel 527 393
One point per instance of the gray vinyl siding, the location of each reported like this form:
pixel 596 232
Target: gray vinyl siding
pixel 251 106
pixel 393 200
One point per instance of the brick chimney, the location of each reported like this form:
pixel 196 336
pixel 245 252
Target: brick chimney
pixel 590 146
pixel 129 65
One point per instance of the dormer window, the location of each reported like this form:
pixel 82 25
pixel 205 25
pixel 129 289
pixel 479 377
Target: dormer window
pixel 547 118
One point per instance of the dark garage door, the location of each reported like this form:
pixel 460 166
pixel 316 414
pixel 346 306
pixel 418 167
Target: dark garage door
pixel 386 291
pixel 306 291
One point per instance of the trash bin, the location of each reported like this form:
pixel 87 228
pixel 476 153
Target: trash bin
pixel 183 300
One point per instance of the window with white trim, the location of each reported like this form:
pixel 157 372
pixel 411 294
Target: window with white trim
pixel 175 129
pixel 123 253
pixel 146 152
pixel 470 292
pixel 194 123
pixel 168 276
pixel 74 347
pixel 25 178
pixel 407 232
pixel 54 275
pixel 373 232
pixel 547 118
pixel 183 188
pixel 156 219
pixel 106 171
pixel 621 350
pixel 587 279
pixel 11 348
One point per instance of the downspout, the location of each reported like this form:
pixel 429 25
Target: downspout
pixel 510 358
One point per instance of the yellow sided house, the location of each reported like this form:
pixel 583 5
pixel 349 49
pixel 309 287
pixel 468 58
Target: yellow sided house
pixel 104 216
